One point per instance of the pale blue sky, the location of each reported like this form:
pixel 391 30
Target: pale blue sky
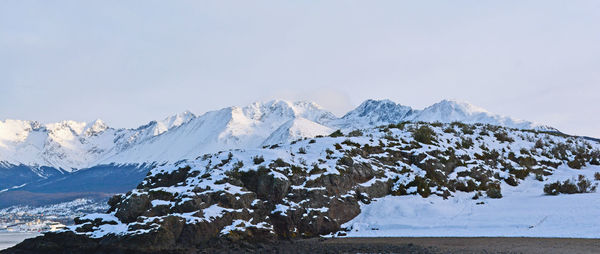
pixel 129 62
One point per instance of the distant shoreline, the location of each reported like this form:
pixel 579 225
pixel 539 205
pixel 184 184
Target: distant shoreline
pixel 9 239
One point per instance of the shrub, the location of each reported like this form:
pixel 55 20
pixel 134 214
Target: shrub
pixel 595 154
pixel 512 181
pixel 539 143
pixel 280 163
pixel 552 188
pixel 346 161
pixel 302 150
pixel 567 187
pixel 355 133
pixel 467 143
pixel 494 191
pixel 503 137
pixel 336 134
pixel 312 141
pixel 597 176
pixel 527 162
pixel 238 165
pixel 316 170
pixel 449 130
pixel 539 177
pixel 520 173
pixel 258 159
pixel 424 135
pixel 560 151
pixel 582 185
pixel 397 126
pixel 575 164
pixel 468 130
pixel 349 142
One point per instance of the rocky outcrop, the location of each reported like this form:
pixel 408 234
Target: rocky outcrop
pixel 312 187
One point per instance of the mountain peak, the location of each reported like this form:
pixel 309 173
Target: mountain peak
pixel 375 112
pixel 95 127
pixel 463 106
pixel 173 121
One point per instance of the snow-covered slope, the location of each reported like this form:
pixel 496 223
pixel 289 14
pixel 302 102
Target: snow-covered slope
pixel 411 179
pixel 234 127
pixel 70 145
pixel 296 129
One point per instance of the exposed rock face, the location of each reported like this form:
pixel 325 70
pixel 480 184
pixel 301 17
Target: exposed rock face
pixel 312 187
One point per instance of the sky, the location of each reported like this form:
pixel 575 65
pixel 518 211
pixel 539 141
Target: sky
pixel 129 62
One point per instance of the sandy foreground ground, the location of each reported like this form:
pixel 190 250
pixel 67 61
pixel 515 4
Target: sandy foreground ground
pixel 427 245
pixel 443 245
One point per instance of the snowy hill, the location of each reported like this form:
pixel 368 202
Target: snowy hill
pixel 407 179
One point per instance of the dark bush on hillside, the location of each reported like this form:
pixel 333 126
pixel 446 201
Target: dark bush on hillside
pixel 355 133
pixel 503 137
pixel 422 185
pixel 539 143
pixel 581 185
pixel 336 134
pixel 560 151
pixel 316 170
pixel 280 163
pixel 349 142
pixel 527 162
pixel 567 187
pixel 467 130
pixel 575 164
pixel 449 130
pixel 597 176
pixel 302 150
pixel 397 126
pixel 520 173
pixel 258 159
pixel 467 143
pixel 424 135
pixel 494 191
pixel 595 155
pixel 584 185
pixel 512 181
pixel 436 124
pixel 552 188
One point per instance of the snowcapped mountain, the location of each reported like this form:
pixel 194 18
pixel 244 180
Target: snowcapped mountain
pixel 375 112
pixel 235 127
pixel 69 146
pixel 381 112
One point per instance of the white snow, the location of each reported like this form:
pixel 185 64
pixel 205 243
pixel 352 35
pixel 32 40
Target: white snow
pixel 522 211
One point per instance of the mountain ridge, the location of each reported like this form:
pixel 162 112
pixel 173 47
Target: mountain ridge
pixel 71 145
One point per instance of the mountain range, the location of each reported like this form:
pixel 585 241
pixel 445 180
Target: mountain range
pixel 36 157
